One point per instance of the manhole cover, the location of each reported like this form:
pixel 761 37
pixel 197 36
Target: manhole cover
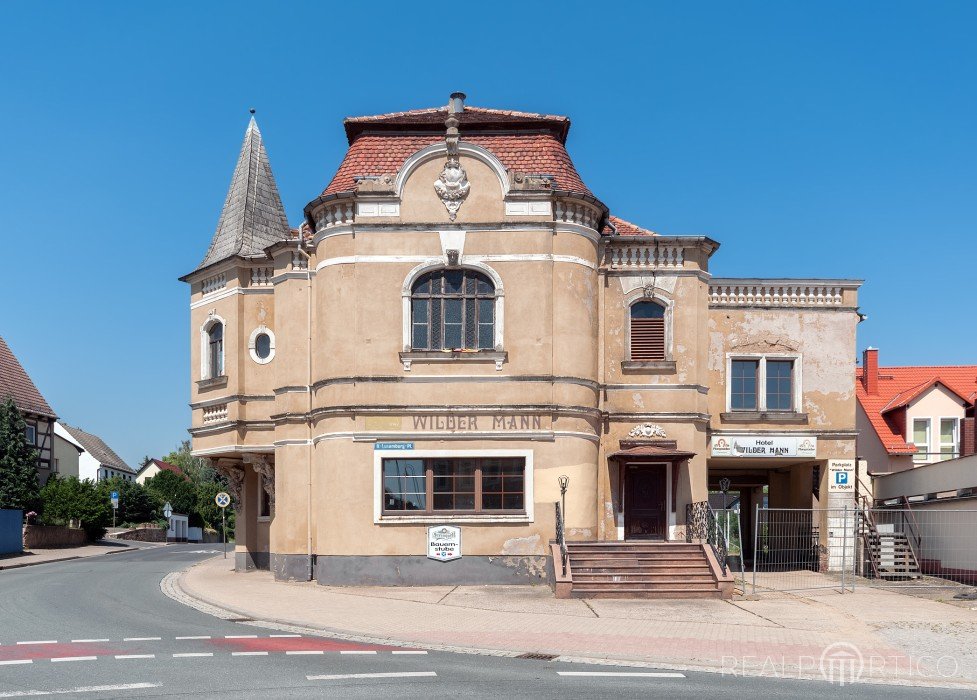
pixel 535 656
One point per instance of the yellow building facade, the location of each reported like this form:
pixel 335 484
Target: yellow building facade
pixel 457 323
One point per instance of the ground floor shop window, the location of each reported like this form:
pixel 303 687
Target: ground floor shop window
pixel 454 485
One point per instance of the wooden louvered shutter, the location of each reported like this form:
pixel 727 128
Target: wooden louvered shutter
pixel 647 331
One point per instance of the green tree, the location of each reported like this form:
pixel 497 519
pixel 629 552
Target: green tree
pixel 69 499
pixel 18 462
pixel 176 490
pixel 197 469
pixel 137 504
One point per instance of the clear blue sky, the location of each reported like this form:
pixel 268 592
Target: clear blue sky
pixel 827 139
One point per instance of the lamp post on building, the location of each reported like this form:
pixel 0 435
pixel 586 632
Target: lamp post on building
pixel 564 481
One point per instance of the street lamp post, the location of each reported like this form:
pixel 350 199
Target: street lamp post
pixel 167 512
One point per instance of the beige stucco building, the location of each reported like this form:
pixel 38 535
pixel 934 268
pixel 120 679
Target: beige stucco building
pixel 457 323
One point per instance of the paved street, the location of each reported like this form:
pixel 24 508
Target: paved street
pixel 101 628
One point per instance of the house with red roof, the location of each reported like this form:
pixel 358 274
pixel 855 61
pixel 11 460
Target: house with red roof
pixel 910 416
pixel 38 415
pixel 154 467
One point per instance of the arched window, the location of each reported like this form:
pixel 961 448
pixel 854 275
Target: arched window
pixel 453 310
pixel 647 331
pixel 215 350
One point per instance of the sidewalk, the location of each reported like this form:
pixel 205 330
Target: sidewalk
pixel 30 557
pixel 897 638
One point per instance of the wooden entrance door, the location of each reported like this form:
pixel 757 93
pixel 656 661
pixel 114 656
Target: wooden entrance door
pixel 644 502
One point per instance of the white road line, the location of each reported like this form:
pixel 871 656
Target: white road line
pixel 83 641
pixel 74 658
pixel 135 656
pixel 285 636
pixel 141 639
pixel 240 636
pixel 620 674
pixel 86 689
pixel 16 661
pixel 47 641
pixel 355 651
pixel 249 653
pixel 303 652
pixel 188 655
pixel 202 636
pixel 346 676
pixel 408 651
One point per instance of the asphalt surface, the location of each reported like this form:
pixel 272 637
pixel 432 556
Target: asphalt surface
pixel 101 628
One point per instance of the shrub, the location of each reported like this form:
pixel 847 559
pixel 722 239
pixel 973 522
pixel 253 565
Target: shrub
pixel 64 500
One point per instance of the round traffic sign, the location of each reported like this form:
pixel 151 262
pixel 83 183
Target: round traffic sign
pixel 167 510
pixel 222 499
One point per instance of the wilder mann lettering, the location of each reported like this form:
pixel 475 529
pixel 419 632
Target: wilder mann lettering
pixel 764 447
pixel 469 422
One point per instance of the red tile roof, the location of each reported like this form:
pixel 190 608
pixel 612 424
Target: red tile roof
pixel 626 228
pixel 541 153
pixel 899 386
pixel 471 119
pixel 15 383
pixel 165 466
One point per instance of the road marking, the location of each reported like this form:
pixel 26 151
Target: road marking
pixel 135 656
pixel 188 655
pixel 47 641
pixel 304 652
pixel 202 636
pixel 141 639
pixel 86 689
pixel 249 653
pixel 240 636
pixel 285 636
pixel 16 661
pixel 82 641
pixel 410 651
pixel 346 676
pixel 620 674
pixel 355 651
pixel 74 658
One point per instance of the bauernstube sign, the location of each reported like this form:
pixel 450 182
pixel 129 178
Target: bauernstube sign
pixel 764 446
pixel 444 543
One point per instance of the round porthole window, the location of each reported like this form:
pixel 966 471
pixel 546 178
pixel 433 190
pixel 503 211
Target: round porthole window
pixel 262 345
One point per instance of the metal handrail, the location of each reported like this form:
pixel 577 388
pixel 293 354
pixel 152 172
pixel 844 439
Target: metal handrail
pixel 915 525
pixel 561 539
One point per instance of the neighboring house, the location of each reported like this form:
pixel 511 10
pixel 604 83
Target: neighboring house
pixel 38 415
pixel 67 452
pixel 154 467
pixel 910 416
pixel 99 462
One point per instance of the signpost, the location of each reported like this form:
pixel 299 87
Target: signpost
pixel 167 512
pixel 223 500
pixel 115 505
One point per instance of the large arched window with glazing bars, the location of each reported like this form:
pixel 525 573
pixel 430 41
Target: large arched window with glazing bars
pixel 453 309
pixel 647 331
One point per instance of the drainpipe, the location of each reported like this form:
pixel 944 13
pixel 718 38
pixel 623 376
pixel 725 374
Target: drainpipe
pixel 308 390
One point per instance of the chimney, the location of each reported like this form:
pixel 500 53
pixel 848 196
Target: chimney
pixel 870 371
pixel 456 103
pixel 968 444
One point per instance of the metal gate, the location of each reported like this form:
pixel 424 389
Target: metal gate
pixel 797 549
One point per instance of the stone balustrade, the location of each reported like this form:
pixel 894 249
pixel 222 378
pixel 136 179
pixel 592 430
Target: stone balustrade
pixel 776 293
pixel 645 256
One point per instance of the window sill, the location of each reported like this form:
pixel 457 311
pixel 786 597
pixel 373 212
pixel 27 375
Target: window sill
pixel 425 356
pixel 451 519
pixel 212 382
pixel 649 366
pixel 764 417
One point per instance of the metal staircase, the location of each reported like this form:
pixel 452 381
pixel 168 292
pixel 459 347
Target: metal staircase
pixel 887 548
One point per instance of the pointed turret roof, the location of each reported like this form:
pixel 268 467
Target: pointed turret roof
pixel 253 217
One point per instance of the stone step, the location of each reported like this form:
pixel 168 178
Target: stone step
pixel 687 581
pixel 625 568
pixel 636 561
pixel 633 593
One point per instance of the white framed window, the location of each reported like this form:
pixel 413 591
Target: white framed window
pixel 57 465
pixel 428 486
pixel 30 432
pixel 261 345
pixel 921 439
pixel 763 383
pixel 212 334
pixel 949 438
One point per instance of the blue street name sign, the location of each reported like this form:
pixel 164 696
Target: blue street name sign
pixel 393 446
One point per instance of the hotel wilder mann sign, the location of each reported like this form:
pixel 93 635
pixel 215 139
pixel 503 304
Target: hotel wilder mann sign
pixel 764 446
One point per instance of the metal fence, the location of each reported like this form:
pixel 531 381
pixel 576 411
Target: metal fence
pixel 842 548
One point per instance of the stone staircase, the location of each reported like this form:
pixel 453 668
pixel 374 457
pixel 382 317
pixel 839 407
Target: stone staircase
pixel 645 570
pixel 892 555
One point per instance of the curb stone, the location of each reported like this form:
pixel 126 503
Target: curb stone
pixel 171 586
